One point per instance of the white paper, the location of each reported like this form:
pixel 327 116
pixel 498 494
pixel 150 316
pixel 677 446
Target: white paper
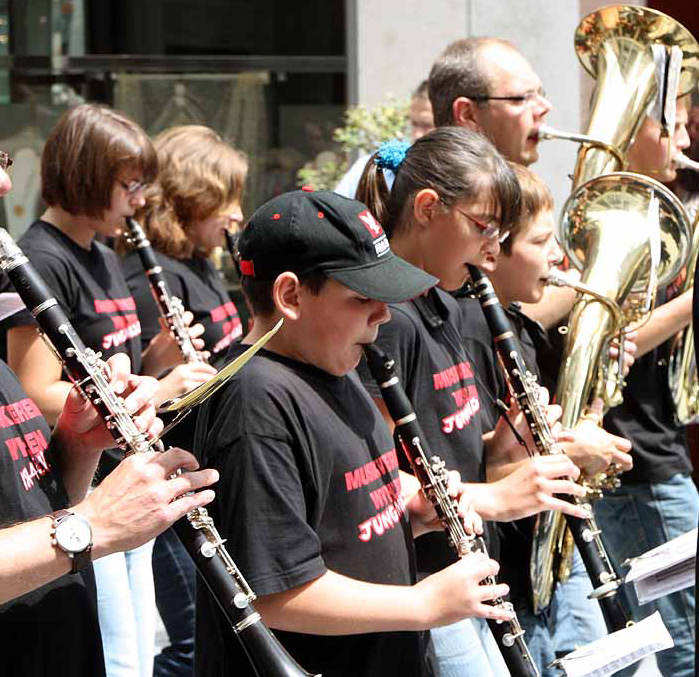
pixel 614 652
pixel 10 303
pixel 665 569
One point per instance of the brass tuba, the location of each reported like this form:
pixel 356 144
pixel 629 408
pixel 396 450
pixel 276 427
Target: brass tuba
pixel 626 233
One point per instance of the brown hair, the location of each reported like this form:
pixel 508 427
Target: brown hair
pixel 458 71
pixel 457 163
pixel 536 198
pixel 199 175
pixel 84 154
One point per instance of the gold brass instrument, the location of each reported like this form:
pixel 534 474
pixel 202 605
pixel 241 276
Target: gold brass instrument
pixel 626 234
pixel 546 133
pixel 614 46
pixel 682 364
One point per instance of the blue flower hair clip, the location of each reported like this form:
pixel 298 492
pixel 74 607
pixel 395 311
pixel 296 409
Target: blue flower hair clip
pixel 391 154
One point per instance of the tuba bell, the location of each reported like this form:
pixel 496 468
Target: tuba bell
pixel 627 234
pixel 614 45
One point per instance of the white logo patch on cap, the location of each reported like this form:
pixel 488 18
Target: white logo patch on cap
pixel 381 244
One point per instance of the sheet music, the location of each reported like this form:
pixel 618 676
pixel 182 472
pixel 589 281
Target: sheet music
pixel 618 650
pixel 10 303
pixel 665 569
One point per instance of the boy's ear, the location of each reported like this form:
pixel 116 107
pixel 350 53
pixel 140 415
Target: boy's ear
pixel 425 205
pixel 286 297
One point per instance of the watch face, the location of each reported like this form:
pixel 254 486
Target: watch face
pixel 73 534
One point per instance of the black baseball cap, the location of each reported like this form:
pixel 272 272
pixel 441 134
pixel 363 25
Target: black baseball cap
pixel 320 231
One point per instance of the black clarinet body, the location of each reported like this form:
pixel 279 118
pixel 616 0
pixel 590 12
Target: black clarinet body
pixel 432 474
pixel 169 306
pixel 524 387
pixel 196 530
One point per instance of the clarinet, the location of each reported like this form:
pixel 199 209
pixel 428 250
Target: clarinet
pixel 196 530
pixel 170 307
pixel 432 473
pixel 524 388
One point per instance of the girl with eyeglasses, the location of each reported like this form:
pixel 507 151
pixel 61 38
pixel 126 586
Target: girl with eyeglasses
pixel 453 200
pixel 94 167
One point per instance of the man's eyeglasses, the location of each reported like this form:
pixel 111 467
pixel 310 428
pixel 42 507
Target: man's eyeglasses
pixel 5 160
pixel 490 230
pixel 527 98
pixel 132 186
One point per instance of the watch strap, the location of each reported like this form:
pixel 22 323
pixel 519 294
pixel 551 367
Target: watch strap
pixel 78 560
pixel 81 560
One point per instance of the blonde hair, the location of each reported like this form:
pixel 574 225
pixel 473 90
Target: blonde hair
pixel 199 175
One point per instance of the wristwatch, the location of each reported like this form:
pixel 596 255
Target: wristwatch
pixel 72 533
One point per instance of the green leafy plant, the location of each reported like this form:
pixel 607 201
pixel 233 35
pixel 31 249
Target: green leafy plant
pixel 363 131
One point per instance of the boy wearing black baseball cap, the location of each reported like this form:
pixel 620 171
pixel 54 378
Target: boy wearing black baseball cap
pixel 310 495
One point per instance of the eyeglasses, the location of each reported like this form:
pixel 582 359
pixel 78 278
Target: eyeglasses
pixel 132 187
pixel 527 98
pixel 490 230
pixel 5 160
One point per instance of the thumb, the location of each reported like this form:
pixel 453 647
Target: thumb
pixel 76 402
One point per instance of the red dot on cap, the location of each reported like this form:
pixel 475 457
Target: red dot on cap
pixel 308 189
pixel 321 215
pixel 277 216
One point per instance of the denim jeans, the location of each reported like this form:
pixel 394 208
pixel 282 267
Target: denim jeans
pixel 466 649
pixel 570 621
pixel 636 518
pixel 126 606
pixel 175 578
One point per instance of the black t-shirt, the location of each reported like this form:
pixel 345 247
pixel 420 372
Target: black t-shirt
pixel 424 338
pixel 195 282
pixel 91 289
pixel 309 483
pixel 54 629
